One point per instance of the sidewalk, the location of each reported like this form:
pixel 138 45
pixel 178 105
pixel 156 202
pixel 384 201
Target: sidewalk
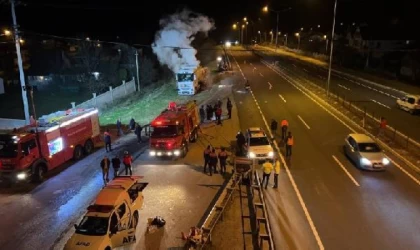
pixel 394 85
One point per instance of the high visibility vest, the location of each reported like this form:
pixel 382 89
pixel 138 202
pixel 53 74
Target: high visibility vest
pixel 290 141
pixel 267 168
pixel 284 123
pixel 222 155
pixel 277 167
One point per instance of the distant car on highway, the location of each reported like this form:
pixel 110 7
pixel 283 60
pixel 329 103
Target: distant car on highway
pixel 410 103
pixel 365 152
pixel 258 144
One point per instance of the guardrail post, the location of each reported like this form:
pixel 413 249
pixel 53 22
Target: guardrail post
pixel 408 140
pixel 395 133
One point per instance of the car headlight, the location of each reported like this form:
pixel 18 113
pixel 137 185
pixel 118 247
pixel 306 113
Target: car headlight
pixel 21 176
pixel 270 154
pixel 152 153
pixel 251 155
pixel 365 161
pixel 385 161
pixel 177 152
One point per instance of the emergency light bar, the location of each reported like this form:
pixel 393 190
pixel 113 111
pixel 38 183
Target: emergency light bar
pixel 72 120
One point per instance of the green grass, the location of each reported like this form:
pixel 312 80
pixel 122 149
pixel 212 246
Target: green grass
pixel 145 107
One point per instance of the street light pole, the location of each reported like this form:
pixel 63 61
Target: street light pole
pixel 137 71
pixel 331 49
pixel 20 64
pixel 277 31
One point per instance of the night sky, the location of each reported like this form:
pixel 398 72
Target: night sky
pixel 136 21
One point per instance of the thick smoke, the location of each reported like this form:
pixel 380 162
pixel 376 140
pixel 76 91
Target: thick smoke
pixel 179 30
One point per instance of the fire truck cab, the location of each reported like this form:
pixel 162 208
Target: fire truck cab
pixel 112 219
pixel 29 152
pixel 174 129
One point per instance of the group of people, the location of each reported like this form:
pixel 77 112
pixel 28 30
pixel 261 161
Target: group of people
pixel 211 158
pixel 286 136
pixel 115 162
pixel 267 169
pixel 207 113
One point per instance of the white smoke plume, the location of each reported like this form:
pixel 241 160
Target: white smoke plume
pixel 178 30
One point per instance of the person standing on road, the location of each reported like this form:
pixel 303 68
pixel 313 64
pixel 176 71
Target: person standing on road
pixel 284 125
pixel 116 162
pixel 289 144
pixel 273 127
pixel 202 114
pixel 219 115
pixel 382 127
pixel 128 160
pixel 276 172
pixel 213 161
pixel 208 112
pixel 132 124
pixel 137 131
pixel 119 129
pixel 240 142
pixel 107 139
pixel 229 108
pixel 222 160
pixel 267 168
pixel 206 155
pixel 105 164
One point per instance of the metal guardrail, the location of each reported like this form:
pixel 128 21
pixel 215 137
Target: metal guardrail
pixel 265 237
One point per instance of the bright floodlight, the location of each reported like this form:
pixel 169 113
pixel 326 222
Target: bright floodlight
pixel 228 44
pixel 237 42
pixel 219 58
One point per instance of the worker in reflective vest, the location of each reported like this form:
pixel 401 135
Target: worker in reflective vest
pixel 267 167
pixel 213 162
pixel 289 144
pixel 284 125
pixel 276 172
pixel 222 161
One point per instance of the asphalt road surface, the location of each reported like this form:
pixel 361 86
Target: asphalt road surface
pixel 326 202
pixel 378 101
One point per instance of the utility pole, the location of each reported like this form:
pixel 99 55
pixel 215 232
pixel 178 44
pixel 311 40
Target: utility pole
pixel 277 31
pixel 331 50
pixel 137 70
pixel 20 64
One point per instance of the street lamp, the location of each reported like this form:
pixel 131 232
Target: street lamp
pixel 331 49
pixel 326 43
pixel 235 26
pixel 259 32
pixel 271 34
pixel 285 44
pixel 266 9
pixel 242 33
pixel 298 37
pixel 6 33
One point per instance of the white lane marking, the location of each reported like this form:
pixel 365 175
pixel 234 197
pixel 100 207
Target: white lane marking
pixel 261 75
pixel 269 85
pixel 305 70
pixel 379 103
pixel 304 123
pixel 323 78
pixel 253 70
pixel 405 171
pixel 292 180
pixel 294 66
pixel 285 77
pixel 250 64
pixel 284 100
pixel 346 171
pixel 344 87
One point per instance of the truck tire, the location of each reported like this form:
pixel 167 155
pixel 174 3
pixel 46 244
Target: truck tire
pixel 78 153
pixel 89 146
pixel 185 150
pixel 193 137
pixel 38 174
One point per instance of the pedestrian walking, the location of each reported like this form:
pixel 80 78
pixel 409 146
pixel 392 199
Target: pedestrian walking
pixel 127 161
pixel 267 168
pixel 273 127
pixel 202 114
pixel 137 131
pixel 213 161
pixel 206 155
pixel 119 128
pixel 219 115
pixel 116 163
pixel 107 139
pixel 222 160
pixel 284 126
pixel 240 142
pixel 105 164
pixel 276 172
pixel 229 108
pixel 382 126
pixel 289 144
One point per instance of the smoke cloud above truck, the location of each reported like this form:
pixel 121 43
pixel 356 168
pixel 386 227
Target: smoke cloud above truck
pixel 172 43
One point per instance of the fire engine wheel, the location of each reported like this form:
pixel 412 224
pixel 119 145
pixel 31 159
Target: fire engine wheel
pixel 78 152
pixel 193 138
pixel 88 147
pixel 39 173
pixel 185 150
pixel 135 220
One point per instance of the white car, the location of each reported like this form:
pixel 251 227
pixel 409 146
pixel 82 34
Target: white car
pixel 410 103
pixel 365 153
pixel 258 144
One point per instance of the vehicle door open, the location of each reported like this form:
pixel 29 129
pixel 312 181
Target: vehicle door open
pixel 120 235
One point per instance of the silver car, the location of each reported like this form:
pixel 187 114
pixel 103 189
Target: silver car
pixel 363 150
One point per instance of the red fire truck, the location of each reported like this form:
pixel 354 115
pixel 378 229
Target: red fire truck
pixel 173 129
pixel 29 152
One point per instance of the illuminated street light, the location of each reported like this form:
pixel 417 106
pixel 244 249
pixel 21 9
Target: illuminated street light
pixel 301 29
pixel 271 32
pixel 297 34
pixel 219 58
pixel 266 9
pixel 7 32
pixel 325 36
pixel 87 39
pixel 234 26
pixel 243 25
pixel 319 26
pixel 245 19
pixel 21 41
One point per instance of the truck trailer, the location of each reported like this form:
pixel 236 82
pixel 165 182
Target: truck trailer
pixel 174 129
pixel 190 79
pixel 28 152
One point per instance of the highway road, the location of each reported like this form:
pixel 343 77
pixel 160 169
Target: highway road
pixel 324 201
pixel 381 102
